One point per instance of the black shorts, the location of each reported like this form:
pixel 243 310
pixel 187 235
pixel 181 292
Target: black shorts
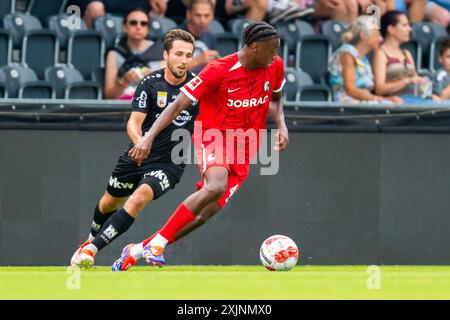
pixel 127 177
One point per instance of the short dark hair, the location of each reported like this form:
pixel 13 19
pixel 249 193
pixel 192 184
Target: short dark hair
pixel 191 3
pixel 390 18
pixel 259 31
pixel 176 34
pixel 444 47
pixel 138 9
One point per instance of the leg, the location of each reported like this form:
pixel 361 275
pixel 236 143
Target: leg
pixel 93 10
pixel 256 9
pixel 416 10
pixel 122 220
pixel 207 213
pixel 437 14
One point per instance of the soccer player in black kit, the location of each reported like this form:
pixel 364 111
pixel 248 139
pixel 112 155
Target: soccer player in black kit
pixel 132 184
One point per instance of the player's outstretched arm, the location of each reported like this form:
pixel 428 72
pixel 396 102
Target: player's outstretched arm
pixel 142 148
pixel 277 114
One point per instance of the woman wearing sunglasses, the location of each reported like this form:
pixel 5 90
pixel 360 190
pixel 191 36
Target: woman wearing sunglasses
pixel 132 58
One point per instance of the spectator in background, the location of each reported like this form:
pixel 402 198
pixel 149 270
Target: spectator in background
pixel 348 10
pixel 441 79
pixel 351 76
pixel 96 8
pixel 132 58
pixel 250 9
pixel 414 9
pixel 437 11
pixel 199 15
pixel 394 67
pixel 287 10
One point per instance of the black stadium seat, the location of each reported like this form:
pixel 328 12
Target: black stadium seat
pixel 61 76
pixel 5 48
pixel 83 90
pixel 42 9
pixel 109 28
pixel 312 56
pixel 334 29
pixel 15 76
pixel 64 25
pixel 414 47
pixel 40 50
pixel 426 33
pixel 86 52
pixel 17 24
pixel 160 25
pixel 36 90
pixel 227 43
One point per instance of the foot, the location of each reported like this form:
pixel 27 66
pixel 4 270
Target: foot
pixel 83 257
pixel 125 261
pixel 75 256
pixel 155 255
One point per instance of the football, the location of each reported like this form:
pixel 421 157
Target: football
pixel 279 253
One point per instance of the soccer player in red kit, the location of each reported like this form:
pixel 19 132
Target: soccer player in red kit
pixel 237 93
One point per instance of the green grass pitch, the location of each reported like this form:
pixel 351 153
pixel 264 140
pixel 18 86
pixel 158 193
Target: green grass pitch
pixel 225 282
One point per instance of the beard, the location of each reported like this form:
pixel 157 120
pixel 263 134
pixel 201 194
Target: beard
pixel 176 73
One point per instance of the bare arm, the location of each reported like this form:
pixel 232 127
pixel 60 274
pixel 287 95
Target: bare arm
pixel 134 126
pixel 445 94
pixel 141 150
pixel 348 73
pixel 277 114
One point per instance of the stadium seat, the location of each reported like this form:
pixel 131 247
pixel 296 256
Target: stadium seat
pixel 414 47
pixel 334 29
pixel 425 33
pixel 315 92
pixel 5 48
pixel 291 87
pixel 3 91
pixel 312 56
pixel 292 32
pixel 42 9
pixel 14 76
pixel 160 25
pixel 6 7
pixel 36 90
pixel 98 75
pixel 86 52
pixel 434 53
pixel 83 90
pixel 17 24
pixel 43 42
pixel 61 76
pixel 64 25
pixel 238 25
pixel 215 27
pixel 227 43
pixel 109 28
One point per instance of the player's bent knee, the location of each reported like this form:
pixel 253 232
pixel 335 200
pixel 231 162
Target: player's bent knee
pixel 214 191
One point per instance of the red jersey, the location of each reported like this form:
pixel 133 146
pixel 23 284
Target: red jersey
pixel 233 97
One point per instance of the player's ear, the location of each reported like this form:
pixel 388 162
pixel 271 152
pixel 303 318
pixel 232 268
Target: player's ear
pixel 165 55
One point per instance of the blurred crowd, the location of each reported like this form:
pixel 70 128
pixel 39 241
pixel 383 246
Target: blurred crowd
pixel 371 62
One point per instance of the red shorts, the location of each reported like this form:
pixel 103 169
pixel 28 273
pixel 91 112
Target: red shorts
pixel 213 153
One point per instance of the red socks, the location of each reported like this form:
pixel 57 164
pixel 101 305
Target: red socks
pixel 176 222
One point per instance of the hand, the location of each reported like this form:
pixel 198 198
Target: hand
pixel 281 139
pixel 436 98
pixel 159 8
pixel 208 56
pixel 130 77
pixel 394 99
pixel 145 71
pixel 141 150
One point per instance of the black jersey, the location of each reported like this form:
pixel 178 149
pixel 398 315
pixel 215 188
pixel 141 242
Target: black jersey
pixel 152 96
